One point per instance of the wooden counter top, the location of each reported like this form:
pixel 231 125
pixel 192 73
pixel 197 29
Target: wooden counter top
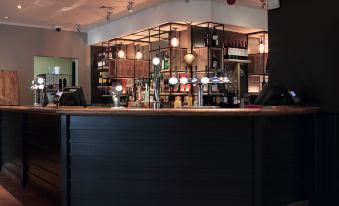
pixel 267 111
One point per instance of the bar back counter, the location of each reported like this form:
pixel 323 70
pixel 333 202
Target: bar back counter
pixel 145 157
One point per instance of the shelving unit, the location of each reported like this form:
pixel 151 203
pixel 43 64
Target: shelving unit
pixel 156 41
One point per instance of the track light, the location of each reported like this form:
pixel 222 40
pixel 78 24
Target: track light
pixel 108 12
pixel 78 27
pixel 130 6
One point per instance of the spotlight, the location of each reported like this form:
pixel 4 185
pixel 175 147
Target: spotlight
pixel 108 15
pixel 78 27
pixel 19 6
pixel 130 6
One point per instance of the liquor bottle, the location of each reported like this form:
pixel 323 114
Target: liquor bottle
pixel 226 55
pixel 166 61
pixel 206 38
pixel 215 38
pixel 235 99
pixel 214 61
pixel 263 83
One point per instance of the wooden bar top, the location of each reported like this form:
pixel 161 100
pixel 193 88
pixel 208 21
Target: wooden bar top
pixel 80 111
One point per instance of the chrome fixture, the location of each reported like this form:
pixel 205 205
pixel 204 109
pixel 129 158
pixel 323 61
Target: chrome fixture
pixel 156 82
pixel 116 95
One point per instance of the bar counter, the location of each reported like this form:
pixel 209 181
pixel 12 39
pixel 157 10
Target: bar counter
pixel 265 111
pixel 137 157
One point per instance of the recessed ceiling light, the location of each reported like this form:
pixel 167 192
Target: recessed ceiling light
pixel 19 6
pixel 6 17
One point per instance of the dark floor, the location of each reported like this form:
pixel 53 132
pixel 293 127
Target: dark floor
pixel 11 194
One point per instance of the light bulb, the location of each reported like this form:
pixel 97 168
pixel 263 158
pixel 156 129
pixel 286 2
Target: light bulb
pixel 189 58
pixel 173 80
pixel 121 54
pixel 174 42
pixel 205 80
pixel 40 80
pixel 138 55
pixel 156 61
pixel 183 80
pixel 118 88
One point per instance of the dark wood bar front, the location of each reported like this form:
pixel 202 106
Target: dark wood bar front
pixel 238 157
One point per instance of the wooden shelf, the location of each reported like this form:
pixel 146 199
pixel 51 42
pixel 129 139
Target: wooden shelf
pixel 238 61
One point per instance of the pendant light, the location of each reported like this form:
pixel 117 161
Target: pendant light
pixel 189 57
pixel 138 54
pixel 261 45
pixel 121 52
pixel 175 40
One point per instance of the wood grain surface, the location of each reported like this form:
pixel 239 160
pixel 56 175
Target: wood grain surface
pixel 9 88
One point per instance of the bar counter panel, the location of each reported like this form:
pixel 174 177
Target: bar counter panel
pixel 240 157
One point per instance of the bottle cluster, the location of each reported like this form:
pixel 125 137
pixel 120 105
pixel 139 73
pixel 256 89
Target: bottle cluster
pixel 236 50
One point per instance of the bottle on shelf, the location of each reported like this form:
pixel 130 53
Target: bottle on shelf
pixel 215 38
pixel 165 62
pixel 206 38
pixel 263 83
pixel 214 62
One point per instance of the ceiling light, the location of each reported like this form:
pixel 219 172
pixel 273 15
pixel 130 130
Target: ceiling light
pixel 19 6
pixel 130 6
pixel 6 17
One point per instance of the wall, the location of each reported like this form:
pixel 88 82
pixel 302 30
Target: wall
pixel 19 45
pixel 303 50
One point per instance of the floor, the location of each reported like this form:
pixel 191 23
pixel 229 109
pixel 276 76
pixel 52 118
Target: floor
pixel 11 194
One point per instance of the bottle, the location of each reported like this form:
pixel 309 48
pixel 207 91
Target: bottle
pixel 235 99
pixel 214 62
pixel 206 38
pixel 263 83
pixel 215 38
pixel 230 50
pixel 226 50
pixel 166 61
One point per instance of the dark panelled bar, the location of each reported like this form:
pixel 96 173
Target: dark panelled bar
pixel 168 103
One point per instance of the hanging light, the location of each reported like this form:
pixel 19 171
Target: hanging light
pixel 175 40
pixel 189 58
pixel 121 53
pixel 138 55
pixel 156 60
pixel 261 45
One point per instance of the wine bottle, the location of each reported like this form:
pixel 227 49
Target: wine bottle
pixel 215 38
pixel 214 62
pixel 206 38
pixel 166 61
pixel 226 55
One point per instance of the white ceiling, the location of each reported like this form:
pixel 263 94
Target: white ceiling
pixel 68 13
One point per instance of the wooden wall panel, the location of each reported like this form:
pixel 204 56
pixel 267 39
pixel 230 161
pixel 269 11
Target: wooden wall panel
pixel 9 88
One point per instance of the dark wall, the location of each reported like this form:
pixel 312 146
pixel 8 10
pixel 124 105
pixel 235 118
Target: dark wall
pixel 303 49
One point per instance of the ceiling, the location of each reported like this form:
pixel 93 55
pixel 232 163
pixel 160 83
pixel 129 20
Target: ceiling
pixel 68 13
